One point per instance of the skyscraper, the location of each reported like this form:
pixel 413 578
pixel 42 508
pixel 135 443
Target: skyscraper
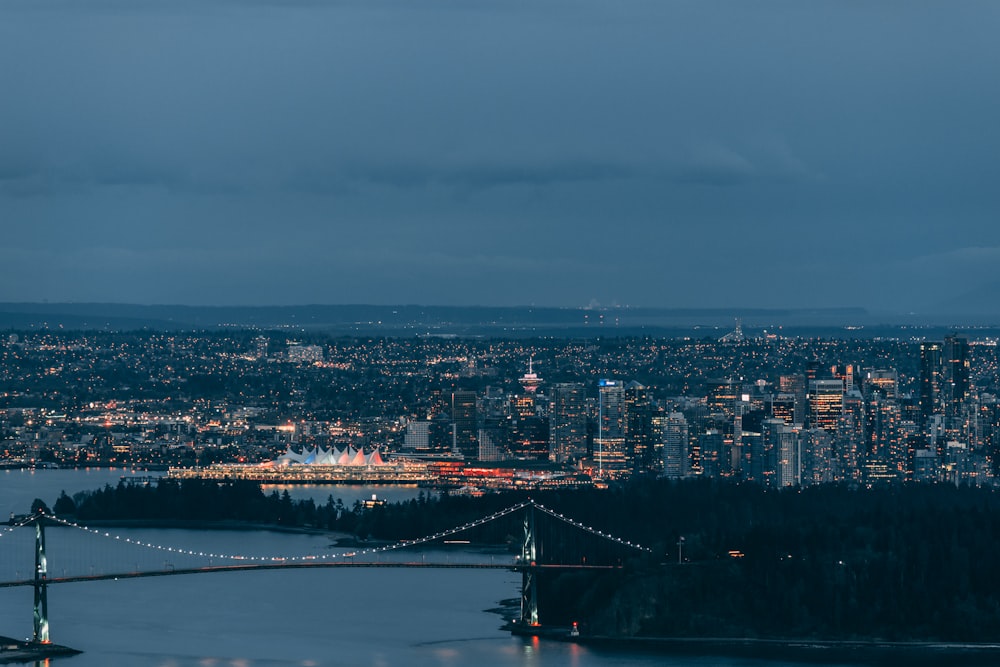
pixel 638 418
pixel 675 445
pixel 826 403
pixel 567 422
pixel 609 450
pixel 956 380
pixel 464 417
pixel 930 382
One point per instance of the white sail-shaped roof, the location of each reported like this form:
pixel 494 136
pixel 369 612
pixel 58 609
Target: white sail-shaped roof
pixel 359 458
pixel 289 457
pixel 329 457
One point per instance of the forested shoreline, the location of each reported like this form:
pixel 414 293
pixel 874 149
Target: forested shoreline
pixel 909 562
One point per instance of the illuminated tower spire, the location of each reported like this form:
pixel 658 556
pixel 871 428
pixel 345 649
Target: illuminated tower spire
pixel 530 380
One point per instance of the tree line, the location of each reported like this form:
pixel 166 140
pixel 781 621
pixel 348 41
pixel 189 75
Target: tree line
pixel 907 562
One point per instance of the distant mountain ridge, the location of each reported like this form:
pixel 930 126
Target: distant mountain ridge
pixel 398 319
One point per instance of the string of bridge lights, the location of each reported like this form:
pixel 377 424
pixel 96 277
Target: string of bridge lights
pixel 592 531
pixel 10 528
pixel 289 559
pixel 331 556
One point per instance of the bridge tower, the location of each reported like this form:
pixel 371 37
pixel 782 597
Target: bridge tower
pixel 41 582
pixel 529 572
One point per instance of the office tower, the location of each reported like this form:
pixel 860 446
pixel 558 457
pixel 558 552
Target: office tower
pixel 787 470
pixel 638 432
pixel 795 385
pixel 464 417
pixel 783 408
pixel 441 435
pixel 881 435
pixel 611 399
pixel 494 442
pixel 826 403
pixel 609 449
pixel 956 385
pixel 930 382
pixel 567 422
pixel 721 397
pixel 711 448
pixel 763 458
pixel 417 437
pixel 885 381
pixel 675 445
pixel 529 437
pixel 817 456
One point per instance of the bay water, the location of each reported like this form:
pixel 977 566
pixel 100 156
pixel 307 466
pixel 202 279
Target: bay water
pixel 378 617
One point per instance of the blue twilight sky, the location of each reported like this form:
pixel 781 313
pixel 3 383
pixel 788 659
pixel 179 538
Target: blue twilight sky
pixel 501 152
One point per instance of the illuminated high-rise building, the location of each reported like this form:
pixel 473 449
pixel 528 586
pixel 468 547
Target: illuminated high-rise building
pixel 722 396
pixel 816 448
pixel 956 385
pixel 567 422
pixel 638 431
pixel 611 399
pixel 529 438
pixel 609 445
pixel 826 403
pixel 930 382
pixel 783 408
pixel 884 381
pixel 711 450
pixel 464 418
pixel 796 386
pixel 675 445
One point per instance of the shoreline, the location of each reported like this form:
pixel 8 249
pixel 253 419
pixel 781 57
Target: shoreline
pixel 19 651
pixel 823 651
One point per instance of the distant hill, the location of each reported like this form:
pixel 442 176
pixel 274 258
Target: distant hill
pixel 417 319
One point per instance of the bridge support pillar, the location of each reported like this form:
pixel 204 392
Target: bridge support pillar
pixel 41 624
pixel 529 579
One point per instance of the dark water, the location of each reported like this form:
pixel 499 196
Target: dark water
pixel 377 617
pixel 18 488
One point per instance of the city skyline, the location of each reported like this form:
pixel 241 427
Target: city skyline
pixel 661 154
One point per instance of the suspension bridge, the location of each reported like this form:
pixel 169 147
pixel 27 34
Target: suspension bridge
pixel 543 540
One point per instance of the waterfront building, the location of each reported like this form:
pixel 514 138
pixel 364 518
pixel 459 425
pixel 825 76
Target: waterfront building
pixel 494 442
pixel 417 437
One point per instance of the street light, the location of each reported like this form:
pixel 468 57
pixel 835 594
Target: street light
pixel 680 549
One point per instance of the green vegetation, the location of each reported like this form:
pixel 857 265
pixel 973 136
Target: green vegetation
pixel 913 562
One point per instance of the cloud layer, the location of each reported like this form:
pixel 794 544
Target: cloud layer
pixel 553 152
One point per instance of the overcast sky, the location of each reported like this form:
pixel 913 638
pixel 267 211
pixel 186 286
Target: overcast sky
pixel 500 152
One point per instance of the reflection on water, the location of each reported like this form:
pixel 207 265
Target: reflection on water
pixel 349 493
